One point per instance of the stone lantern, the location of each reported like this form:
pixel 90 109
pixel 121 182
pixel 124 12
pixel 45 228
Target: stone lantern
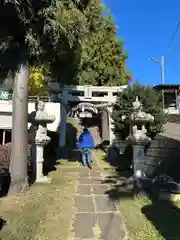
pixel 39 120
pixel 137 136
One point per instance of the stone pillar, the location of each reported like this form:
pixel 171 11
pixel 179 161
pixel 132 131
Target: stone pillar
pixel 39 139
pixel 62 129
pixel 138 139
pixel 4 137
pixel 105 126
pixel 39 162
pixel 38 159
pixel 111 133
pixel 138 160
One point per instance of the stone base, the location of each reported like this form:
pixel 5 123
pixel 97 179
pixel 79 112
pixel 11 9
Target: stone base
pixel 44 180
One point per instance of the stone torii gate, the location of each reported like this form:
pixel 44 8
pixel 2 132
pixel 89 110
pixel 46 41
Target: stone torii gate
pixel 87 110
pixel 92 98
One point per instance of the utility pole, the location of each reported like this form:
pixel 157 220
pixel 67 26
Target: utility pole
pixel 162 69
pixel 161 61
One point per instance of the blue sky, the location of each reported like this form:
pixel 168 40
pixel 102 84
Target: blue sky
pixel 147 27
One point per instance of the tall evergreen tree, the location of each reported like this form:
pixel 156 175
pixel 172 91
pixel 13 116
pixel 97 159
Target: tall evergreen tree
pixel 103 58
pixel 34 32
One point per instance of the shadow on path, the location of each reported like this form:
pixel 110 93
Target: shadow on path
pixel 114 157
pixel 50 159
pixel 70 151
pixel 164 215
pixel 2 223
pixel 121 185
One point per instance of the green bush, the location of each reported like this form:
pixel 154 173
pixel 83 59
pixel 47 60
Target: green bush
pixel 151 103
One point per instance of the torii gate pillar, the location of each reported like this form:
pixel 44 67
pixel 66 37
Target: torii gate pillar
pixel 111 132
pixel 63 115
pixel 104 126
pixel 62 128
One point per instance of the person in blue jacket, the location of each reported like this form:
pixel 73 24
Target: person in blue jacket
pixel 86 144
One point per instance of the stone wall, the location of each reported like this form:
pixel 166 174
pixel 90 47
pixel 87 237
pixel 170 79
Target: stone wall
pixel 162 156
pixel 173 118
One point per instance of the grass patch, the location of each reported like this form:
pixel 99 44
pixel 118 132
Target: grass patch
pixel 67 163
pixel 139 227
pixel 151 220
pixel 43 212
pixel 145 219
pixel 100 158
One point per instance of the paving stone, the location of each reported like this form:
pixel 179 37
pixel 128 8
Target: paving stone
pixel 104 204
pixel 83 225
pixel 84 204
pixel 84 170
pixel 85 180
pixel 84 175
pixel 95 173
pixel 110 222
pixel 84 190
pixel 70 170
pixel 80 178
pixel 95 167
pixel 111 226
pixel 96 180
pixel 100 189
pixel 110 181
pixel 94 164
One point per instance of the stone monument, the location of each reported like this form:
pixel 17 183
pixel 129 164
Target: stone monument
pixel 39 120
pixel 137 136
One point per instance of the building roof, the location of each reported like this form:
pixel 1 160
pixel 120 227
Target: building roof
pixel 167 87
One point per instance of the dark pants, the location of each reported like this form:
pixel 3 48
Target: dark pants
pixel 86 156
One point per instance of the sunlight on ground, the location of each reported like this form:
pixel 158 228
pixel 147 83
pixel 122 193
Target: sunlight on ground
pixel 66 163
pixel 138 226
pixel 100 159
pixel 44 212
pixel 145 220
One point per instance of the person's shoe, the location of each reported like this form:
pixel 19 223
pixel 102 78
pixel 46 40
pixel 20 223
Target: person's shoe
pixel 89 165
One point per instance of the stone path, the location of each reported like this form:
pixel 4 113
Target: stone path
pixel 95 215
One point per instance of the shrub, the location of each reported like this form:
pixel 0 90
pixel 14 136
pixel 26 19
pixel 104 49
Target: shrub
pixel 151 103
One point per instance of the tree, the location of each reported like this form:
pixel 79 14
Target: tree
pixel 151 103
pixel 103 57
pixel 35 32
pixel 37 84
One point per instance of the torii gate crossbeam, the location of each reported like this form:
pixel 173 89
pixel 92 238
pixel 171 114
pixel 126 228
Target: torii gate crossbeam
pixel 102 96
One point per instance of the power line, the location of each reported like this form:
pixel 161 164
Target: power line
pixel 171 41
pixel 170 55
pixel 174 35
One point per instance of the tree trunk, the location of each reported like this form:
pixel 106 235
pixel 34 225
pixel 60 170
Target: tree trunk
pixel 19 152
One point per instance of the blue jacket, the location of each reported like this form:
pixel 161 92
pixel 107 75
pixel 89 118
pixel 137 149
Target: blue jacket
pixel 85 140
